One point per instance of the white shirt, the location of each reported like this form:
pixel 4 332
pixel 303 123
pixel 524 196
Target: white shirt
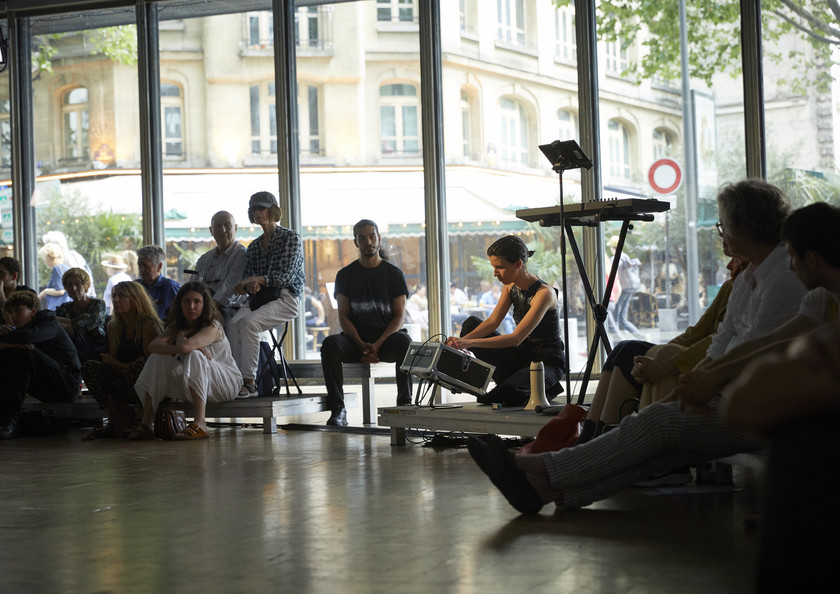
pixel 815 305
pixel 221 271
pixel 763 298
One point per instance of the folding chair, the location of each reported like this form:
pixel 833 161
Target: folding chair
pixel 283 369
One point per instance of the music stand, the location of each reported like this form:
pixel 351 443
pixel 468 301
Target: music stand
pixel 563 156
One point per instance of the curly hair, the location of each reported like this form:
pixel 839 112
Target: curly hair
pixel 142 304
pixel 209 313
pixel 753 209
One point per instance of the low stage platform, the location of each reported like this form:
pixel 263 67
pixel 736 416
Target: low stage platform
pixel 470 418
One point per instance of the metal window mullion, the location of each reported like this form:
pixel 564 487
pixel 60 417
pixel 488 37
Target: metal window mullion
pixel 151 154
pixel 437 237
pixel 23 148
pixel 751 56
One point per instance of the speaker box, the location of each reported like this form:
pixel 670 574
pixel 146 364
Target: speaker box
pixel 452 369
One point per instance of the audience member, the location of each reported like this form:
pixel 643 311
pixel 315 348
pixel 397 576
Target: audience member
pixel 417 307
pixel 653 364
pixel 111 380
pixel 150 261
pixel 115 268
pixel 671 434
pixel 9 275
pixel 371 294
pixel 536 336
pixel 190 361
pixel 83 318
pixel 793 401
pixel 273 278
pixel 54 294
pixel 38 359
pixel 221 268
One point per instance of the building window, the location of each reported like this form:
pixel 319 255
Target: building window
pixel 399 119
pixel 5 135
pixel 260 29
pixel 76 120
pixel 306 27
pixel 619 150
pixel 514 132
pixel 395 11
pixel 511 23
pixel 662 143
pixel 466 124
pixel 172 108
pixel 565 48
pixel 567 125
pixel 309 119
pixel 263 120
pixel 618 57
pixel 467 10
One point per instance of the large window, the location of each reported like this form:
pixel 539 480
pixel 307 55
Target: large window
pixel 76 126
pixel 395 11
pixel 263 119
pixel 260 29
pixel 172 107
pixel 511 21
pixel 309 118
pixel 567 125
pixel 618 155
pixel 663 142
pixel 514 137
pixel 399 119
pixel 565 47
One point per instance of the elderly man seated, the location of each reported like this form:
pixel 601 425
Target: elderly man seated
pixel 162 290
pixel 221 268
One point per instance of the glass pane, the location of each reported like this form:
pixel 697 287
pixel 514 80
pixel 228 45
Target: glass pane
pixel 364 113
pixel 88 191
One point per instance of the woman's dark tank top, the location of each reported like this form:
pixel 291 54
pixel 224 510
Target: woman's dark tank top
pixel 544 341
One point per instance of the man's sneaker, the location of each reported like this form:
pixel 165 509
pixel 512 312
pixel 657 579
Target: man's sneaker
pixel 338 418
pixel 671 478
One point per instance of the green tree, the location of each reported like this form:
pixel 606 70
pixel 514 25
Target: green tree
pixel 714 29
pixel 92 234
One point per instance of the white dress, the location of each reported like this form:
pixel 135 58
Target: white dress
pixel 214 379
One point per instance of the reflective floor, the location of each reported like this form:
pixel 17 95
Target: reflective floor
pixel 307 511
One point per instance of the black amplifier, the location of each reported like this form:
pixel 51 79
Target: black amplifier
pixel 451 368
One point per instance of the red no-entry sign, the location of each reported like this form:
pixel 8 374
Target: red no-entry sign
pixel 665 176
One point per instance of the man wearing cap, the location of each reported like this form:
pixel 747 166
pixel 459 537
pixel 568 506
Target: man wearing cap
pixel 161 289
pixel 273 280
pixel 221 268
pixel 371 294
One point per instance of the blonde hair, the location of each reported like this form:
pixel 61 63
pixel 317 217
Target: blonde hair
pixel 53 251
pixel 142 304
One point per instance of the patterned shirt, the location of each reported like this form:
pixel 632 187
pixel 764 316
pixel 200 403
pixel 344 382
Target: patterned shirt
pixel 281 264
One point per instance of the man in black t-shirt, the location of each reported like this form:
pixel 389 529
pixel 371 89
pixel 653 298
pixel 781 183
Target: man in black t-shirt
pixel 371 295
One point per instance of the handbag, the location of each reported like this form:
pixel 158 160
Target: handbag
pixel 169 420
pixel 263 296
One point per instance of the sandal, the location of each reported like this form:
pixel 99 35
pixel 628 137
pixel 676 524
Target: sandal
pixel 142 432
pixel 103 432
pixel 247 391
pixel 191 431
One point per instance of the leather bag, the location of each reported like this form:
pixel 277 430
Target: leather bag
pixel 169 420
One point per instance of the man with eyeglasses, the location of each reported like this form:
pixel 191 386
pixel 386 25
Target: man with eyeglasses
pixel 221 268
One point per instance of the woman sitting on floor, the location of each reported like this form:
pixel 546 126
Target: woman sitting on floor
pixel 83 318
pixel 190 361
pixel 536 336
pixel 132 328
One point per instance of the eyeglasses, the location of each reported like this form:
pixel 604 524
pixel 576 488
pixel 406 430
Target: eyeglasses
pixel 719 228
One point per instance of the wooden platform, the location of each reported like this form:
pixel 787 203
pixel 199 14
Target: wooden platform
pixel 309 371
pixel 266 408
pixel 470 418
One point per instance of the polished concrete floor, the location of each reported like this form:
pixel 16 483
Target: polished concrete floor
pixel 312 511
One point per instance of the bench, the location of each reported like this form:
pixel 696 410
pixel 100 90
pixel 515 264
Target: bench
pixel 266 407
pixel 306 371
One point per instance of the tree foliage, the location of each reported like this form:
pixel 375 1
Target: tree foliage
pixel 714 32
pixel 93 234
